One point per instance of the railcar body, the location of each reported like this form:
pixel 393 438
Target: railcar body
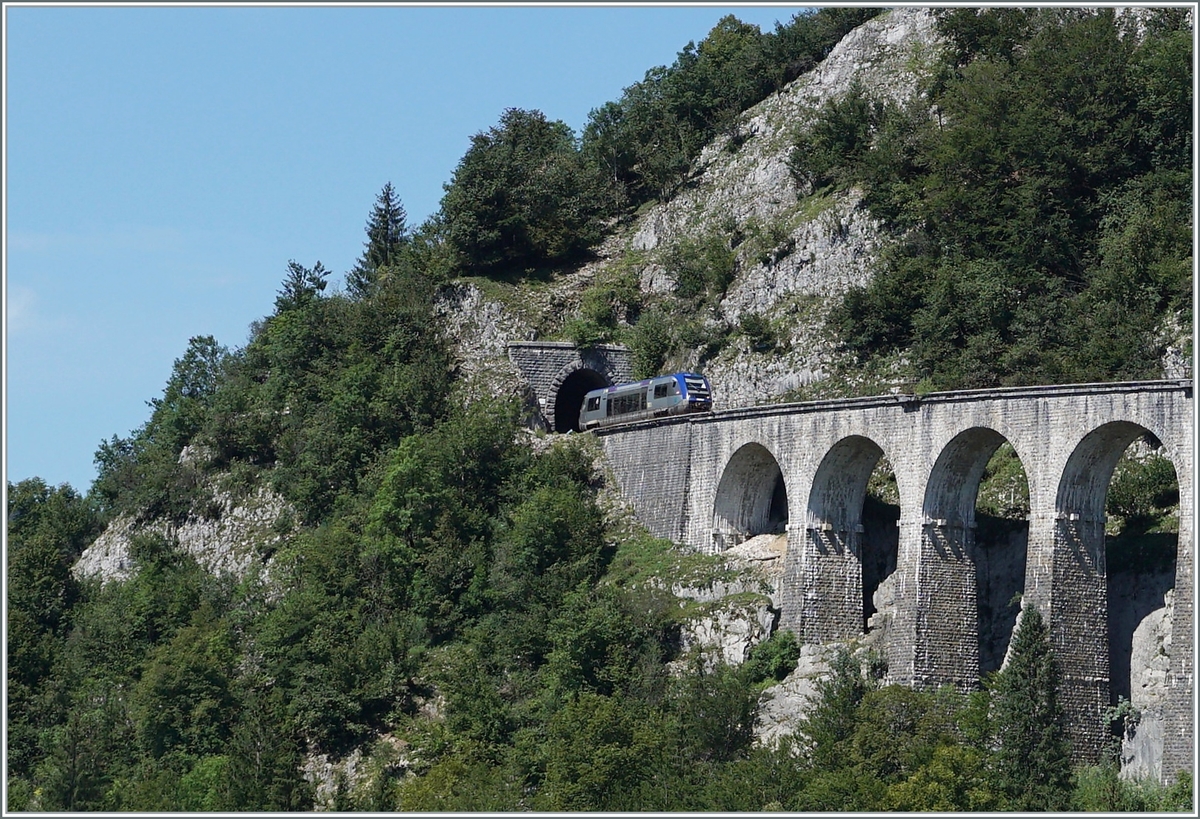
pixel 673 394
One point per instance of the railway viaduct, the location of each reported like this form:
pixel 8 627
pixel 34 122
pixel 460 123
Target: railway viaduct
pixel 714 480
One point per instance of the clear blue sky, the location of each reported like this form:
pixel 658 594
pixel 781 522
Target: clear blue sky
pixel 163 164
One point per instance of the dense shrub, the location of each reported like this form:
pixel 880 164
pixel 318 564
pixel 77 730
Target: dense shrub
pixel 521 197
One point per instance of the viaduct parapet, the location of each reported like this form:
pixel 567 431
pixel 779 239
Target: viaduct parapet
pixel 712 481
pixel 559 373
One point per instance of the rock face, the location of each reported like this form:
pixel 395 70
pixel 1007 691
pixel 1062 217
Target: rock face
pixel 795 252
pixel 783 706
pixel 1146 655
pixel 738 614
pixel 480 330
pixel 231 539
pixel 752 181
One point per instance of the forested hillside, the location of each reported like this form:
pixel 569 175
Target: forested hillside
pixel 450 612
pixel 1045 209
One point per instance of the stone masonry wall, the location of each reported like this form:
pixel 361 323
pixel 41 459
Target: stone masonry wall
pixel 1068 439
pixel 652 466
pixel 546 364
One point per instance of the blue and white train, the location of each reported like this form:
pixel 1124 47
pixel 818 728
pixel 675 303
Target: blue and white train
pixel 663 395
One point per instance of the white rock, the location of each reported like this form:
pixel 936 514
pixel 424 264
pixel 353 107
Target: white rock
pixel 230 542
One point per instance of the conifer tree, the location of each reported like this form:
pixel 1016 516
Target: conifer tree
pixel 301 286
pixel 1033 754
pixel 387 234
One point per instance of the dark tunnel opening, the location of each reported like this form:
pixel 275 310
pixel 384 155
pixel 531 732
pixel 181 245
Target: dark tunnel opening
pixel 568 401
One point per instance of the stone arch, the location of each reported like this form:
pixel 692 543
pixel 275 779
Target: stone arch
pixel 568 389
pixel 840 485
pixel 839 586
pixel 950 571
pixel 1083 488
pixel 751 498
pixel 954 483
pixel 1092 623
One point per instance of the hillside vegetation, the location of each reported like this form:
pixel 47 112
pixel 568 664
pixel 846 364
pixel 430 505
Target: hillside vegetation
pixel 1045 210
pixel 451 611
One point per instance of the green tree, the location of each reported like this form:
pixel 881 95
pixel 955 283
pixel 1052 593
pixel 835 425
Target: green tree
pixel 266 754
pixel 825 732
pixel 85 750
pixel 650 342
pixel 599 749
pixel 521 197
pixel 954 778
pixel 899 729
pixel 606 150
pixel 183 698
pixel 387 239
pixel 834 147
pixel 1039 212
pixel 1033 754
pixel 605 640
pixel 301 286
pixel 47 530
pixel 143 475
pixel 714 713
pixel 183 408
pixel 435 508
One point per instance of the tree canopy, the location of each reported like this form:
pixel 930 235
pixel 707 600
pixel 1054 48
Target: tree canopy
pixel 521 197
pixel 1057 140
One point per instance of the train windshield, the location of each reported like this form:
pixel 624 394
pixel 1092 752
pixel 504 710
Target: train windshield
pixel 696 386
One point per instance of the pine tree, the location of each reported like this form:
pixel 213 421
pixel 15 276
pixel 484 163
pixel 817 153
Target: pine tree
pixel 387 234
pixel 1033 754
pixel 301 286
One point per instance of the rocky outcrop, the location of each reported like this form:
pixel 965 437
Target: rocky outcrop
pixel 795 252
pixel 743 177
pixel 734 613
pixel 233 536
pixel 335 781
pixel 782 707
pixel 1149 666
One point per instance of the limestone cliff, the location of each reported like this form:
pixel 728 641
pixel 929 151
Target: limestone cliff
pixel 794 251
pixel 235 533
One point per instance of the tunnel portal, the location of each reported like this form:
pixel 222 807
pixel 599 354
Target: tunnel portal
pixel 568 401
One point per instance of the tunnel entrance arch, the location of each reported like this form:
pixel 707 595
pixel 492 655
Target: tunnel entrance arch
pixel 568 397
pixel 751 498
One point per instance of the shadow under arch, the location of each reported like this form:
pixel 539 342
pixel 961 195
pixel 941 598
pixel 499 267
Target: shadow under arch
pixel 847 560
pixel 1083 488
pixel 956 574
pixel 1094 621
pixel 751 498
pixel 568 397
